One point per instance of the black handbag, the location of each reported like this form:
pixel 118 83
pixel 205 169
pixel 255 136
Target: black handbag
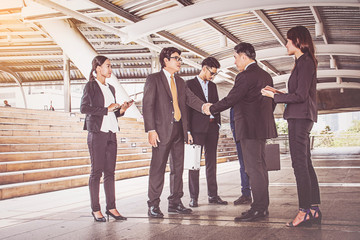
pixel 272 157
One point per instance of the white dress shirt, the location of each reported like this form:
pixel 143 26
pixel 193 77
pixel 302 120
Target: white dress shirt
pixel 109 122
pixel 168 77
pixel 205 87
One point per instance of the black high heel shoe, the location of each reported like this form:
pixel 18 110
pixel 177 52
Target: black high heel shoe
pixel 317 216
pixel 306 222
pixel 102 219
pixel 116 217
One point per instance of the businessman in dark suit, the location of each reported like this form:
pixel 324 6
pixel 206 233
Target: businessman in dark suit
pixel 166 121
pixel 205 131
pixel 254 123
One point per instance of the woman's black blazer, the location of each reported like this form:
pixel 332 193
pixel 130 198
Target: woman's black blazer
pixel 301 97
pixel 92 104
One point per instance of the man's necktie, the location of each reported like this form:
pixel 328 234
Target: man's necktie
pixel 177 113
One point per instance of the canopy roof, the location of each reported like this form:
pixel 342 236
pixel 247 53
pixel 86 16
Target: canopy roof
pixel 132 32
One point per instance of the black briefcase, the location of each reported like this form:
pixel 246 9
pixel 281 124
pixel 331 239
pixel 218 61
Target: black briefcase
pixel 272 157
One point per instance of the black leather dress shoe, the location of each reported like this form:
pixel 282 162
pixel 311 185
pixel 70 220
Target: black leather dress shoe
pixel 217 200
pixel 243 200
pixel 179 209
pixel 251 215
pixel 155 212
pixel 193 203
pixel 266 212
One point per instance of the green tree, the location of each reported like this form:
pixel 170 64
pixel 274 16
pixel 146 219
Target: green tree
pixel 282 126
pixel 355 127
pixel 327 137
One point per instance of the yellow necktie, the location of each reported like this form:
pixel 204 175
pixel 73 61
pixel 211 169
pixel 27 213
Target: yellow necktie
pixel 177 113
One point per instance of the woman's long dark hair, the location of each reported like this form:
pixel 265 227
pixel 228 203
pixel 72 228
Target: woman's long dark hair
pixel 301 38
pixel 97 61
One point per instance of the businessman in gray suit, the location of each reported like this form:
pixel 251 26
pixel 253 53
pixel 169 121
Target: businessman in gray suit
pixel 166 121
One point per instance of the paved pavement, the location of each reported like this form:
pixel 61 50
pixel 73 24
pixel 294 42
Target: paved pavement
pixel 66 214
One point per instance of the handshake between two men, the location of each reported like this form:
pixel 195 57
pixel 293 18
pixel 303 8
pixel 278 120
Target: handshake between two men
pixel 206 108
pixel 153 136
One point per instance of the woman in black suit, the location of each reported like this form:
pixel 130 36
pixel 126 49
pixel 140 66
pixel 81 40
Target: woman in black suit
pixel 301 113
pixel 99 104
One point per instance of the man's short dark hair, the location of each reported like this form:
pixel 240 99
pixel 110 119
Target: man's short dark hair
pixel 247 49
pixel 210 62
pixel 166 53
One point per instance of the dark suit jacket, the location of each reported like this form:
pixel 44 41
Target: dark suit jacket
pixel 158 110
pixel 301 97
pixel 198 122
pixel 92 104
pixel 253 113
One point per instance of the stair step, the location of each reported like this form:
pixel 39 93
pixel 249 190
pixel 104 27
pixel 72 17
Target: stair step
pixel 42 151
pixel 51 173
pixel 65 139
pixel 22 130
pixel 63 146
pixel 38 156
pixel 64 171
pixel 41 186
pixel 22 165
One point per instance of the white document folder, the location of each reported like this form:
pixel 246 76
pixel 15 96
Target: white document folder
pixel 192 156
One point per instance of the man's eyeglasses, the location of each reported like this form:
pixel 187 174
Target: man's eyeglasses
pixel 212 73
pixel 179 59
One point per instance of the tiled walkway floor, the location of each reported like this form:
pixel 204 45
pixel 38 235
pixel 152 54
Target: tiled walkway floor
pixel 66 214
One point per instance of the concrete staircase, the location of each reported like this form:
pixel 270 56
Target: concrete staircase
pixel 42 151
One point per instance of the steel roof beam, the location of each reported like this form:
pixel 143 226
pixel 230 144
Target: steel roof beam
pixel 20 40
pixel 104 26
pixel 23 33
pixel 270 26
pixel 324 74
pixel 40 57
pixel 275 32
pixel 334 85
pixel 116 10
pixel 214 24
pixel 318 19
pixel 30 48
pixel 280 52
pixel 130 17
pixel 81 17
pixel 208 9
pixel 266 54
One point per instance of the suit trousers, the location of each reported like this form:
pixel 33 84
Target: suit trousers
pixel 159 158
pixel 245 185
pixel 254 158
pixel 103 150
pixel 306 179
pixel 208 142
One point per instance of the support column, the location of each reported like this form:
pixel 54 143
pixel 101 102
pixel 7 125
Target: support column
pixel 81 53
pixel 18 81
pixel 67 90
pixel 155 64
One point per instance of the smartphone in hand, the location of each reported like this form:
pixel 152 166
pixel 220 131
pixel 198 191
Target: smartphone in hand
pixel 274 90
